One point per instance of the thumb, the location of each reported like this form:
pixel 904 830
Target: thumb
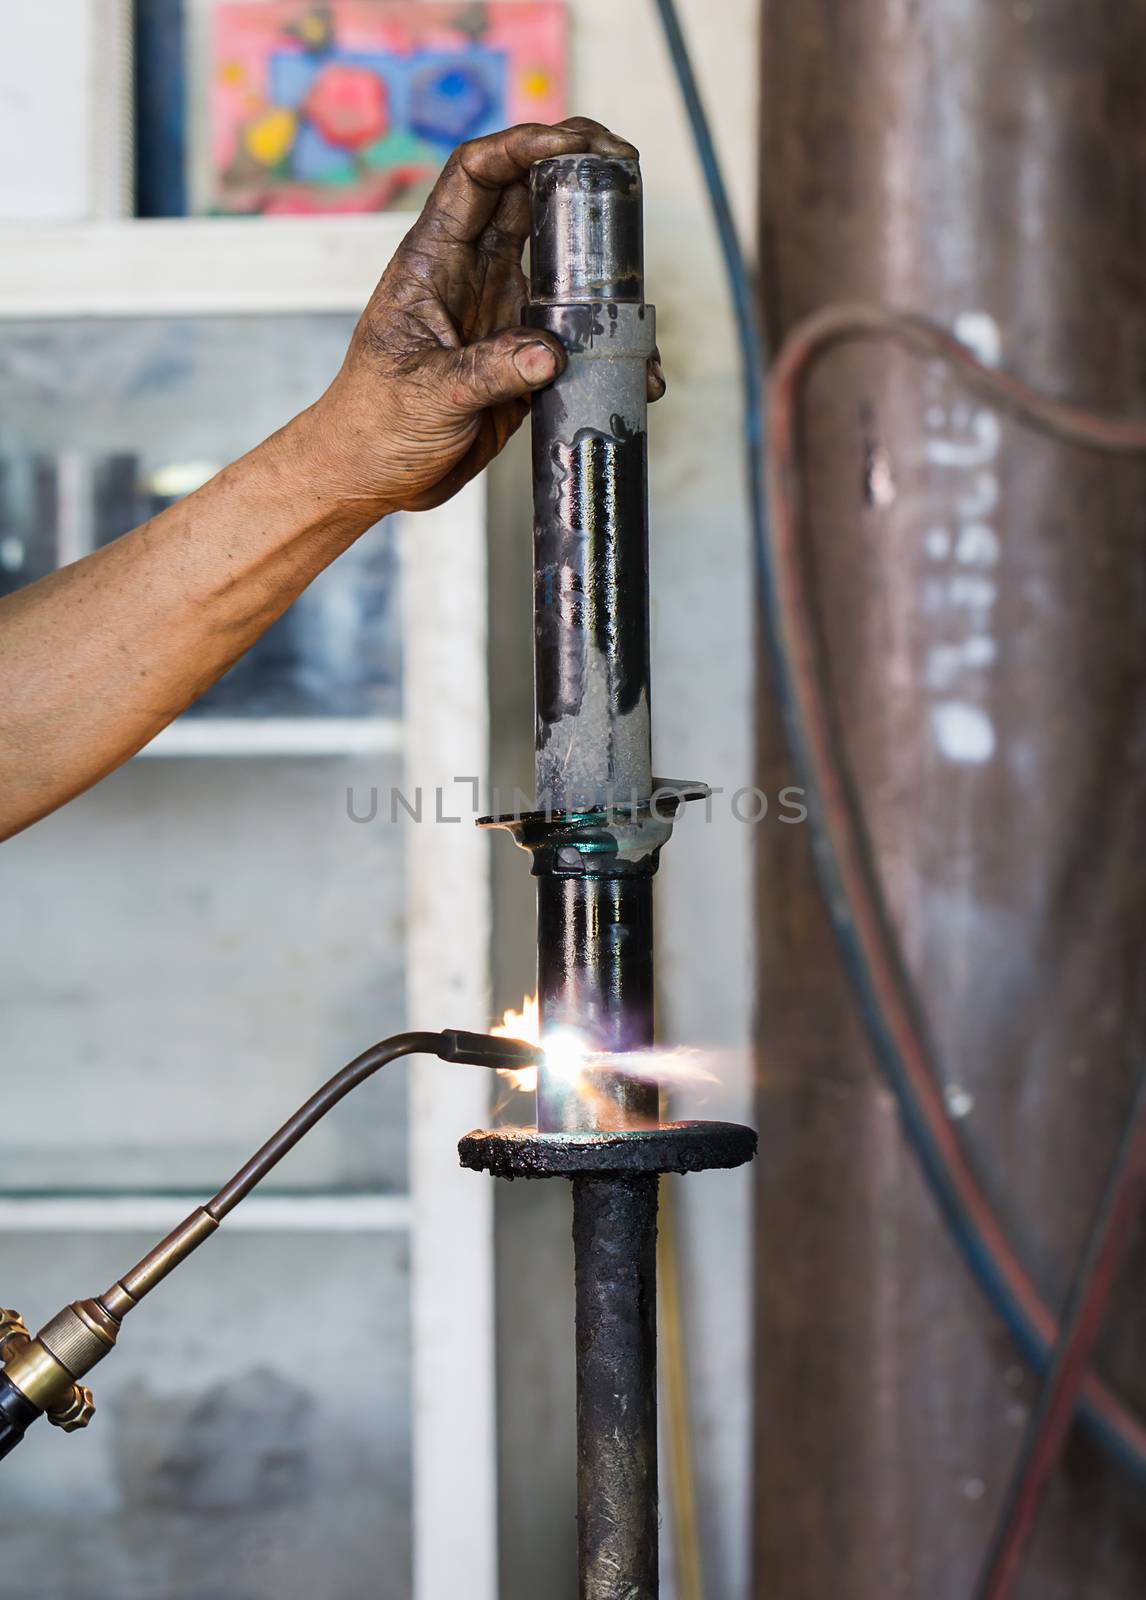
pixel 503 367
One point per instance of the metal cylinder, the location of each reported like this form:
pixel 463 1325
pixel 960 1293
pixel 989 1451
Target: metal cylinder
pixel 591 616
pixel 588 231
pixel 590 487
pixel 595 974
pixel 614 1239
pixel 985 626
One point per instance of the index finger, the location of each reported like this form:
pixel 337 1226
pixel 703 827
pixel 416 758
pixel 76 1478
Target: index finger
pixel 466 194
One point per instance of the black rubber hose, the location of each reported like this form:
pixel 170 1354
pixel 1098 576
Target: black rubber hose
pixel 16 1416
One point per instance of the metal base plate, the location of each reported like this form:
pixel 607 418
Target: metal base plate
pixel 672 1147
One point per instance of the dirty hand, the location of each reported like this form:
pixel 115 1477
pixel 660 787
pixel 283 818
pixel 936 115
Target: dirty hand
pixel 439 372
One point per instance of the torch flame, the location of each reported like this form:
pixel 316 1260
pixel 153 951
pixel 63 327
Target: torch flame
pixel 567 1053
pixel 524 1024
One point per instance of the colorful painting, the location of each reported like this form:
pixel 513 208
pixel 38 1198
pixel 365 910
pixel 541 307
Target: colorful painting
pixel 353 105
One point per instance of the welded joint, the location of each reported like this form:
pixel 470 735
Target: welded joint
pixel 615 839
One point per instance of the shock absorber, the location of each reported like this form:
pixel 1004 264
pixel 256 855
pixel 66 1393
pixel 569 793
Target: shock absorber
pixel 595 838
pixel 591 621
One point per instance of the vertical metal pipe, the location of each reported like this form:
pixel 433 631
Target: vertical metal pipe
pixel 590 486
pixel 614 1239
pixel 591 599
pixel 594 913
pixel 985 625
pixel 595 975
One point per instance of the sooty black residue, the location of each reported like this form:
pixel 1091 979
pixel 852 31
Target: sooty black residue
pixel 592 569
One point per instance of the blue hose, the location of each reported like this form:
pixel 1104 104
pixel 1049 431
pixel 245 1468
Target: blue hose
pixel 982 1264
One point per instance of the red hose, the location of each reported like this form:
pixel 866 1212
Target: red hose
pixel 821 757
pixel 1114 1226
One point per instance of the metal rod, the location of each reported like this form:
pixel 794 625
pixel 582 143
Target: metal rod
pixel 684 1520
pixel 591 613
pixel 615 1247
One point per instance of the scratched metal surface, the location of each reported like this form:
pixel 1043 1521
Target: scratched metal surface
pixel 985 606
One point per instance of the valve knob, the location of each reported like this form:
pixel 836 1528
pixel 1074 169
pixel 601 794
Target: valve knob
pixel 13 1333
pixel 77 1411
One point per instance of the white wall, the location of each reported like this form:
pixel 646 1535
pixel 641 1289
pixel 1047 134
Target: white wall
pixel 65 124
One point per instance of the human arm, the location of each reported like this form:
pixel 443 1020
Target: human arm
pixel 97 658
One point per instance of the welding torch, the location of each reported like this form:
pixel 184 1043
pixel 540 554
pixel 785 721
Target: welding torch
pixel 41 1375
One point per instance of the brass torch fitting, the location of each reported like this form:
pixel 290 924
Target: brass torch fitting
pixel 79 1336
pixel 45 1369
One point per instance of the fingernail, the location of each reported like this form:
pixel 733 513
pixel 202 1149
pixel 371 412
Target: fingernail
pixel 536 362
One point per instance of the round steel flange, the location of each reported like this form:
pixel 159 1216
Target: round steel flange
pixel 672 1147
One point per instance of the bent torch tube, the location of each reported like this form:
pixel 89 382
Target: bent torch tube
pixel 41 1376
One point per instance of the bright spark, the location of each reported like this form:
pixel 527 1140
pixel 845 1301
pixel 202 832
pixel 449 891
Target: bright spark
pixel 570 1058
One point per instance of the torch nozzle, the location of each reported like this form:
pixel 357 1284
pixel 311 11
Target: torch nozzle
pixel 484 1050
